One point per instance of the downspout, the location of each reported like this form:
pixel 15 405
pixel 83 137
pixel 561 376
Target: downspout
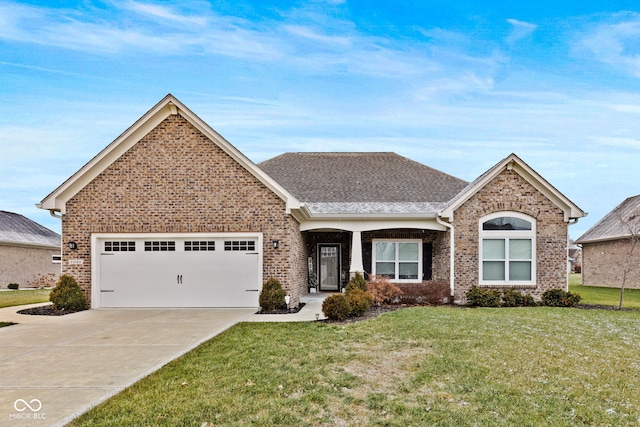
pixel 451 253
pixel 53 214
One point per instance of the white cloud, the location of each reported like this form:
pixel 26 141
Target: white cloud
pixel 519 31
pixel 615 43
pixel 164 13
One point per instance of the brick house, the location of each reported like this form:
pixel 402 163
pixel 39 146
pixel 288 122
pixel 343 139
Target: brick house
pixel 171 214
pixel 606 246
pixel 30 252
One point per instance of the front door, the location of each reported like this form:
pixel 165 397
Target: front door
pixel 329 271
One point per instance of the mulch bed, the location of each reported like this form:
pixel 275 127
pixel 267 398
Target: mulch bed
pixel 46 310
pixel 291 310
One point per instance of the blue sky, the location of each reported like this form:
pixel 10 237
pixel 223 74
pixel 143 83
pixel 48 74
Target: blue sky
pixel 457 85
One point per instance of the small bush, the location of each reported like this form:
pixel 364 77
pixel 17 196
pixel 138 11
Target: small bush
pixel 359 302
pixel 512 298
pixel 272 295
pixel 477 297
pixel 67 294
pixel 560 298
pixel 382 291
pixel 425 293
pixel 13 286
pixel 336 307
pixel 356 282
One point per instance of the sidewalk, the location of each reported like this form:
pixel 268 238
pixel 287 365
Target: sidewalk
pixel 311 311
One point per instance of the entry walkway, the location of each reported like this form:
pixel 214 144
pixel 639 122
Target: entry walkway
pixel 54 368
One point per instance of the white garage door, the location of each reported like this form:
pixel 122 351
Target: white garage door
pixel 200 271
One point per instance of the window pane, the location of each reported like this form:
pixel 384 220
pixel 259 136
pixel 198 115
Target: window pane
pixel 506 223
pixel 408 270
pixel 493 270
pixel 493 249
pixel 386 269
pixel 519 248
pixel 408 251
pixel 520 270
pixel 385 251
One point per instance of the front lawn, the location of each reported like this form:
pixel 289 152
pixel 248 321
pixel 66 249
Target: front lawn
pixel 418 366
pixel 603 296
pixel 22 297
pixel 3 324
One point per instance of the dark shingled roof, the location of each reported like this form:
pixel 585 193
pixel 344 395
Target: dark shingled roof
pixel 362 182
pixel 622 221
pixel 19 230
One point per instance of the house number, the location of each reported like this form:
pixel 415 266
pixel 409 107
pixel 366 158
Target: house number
pixel 76 261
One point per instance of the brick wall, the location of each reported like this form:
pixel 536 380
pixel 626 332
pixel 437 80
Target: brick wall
pixel 510 192
pixel 175 180
pixel 23 265
pixel 603 264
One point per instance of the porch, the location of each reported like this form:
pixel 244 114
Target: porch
pixel 403 255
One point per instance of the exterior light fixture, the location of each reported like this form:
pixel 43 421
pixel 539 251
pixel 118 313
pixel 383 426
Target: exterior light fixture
pixel 73 246
pixel 276 243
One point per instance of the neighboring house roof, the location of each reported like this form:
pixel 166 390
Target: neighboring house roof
pixel 623 221
pixel 18 230
pixel 362 183
pixel 515 163
pixel 56 201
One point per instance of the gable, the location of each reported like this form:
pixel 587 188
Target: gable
pixel 173 174
pixel 513 163
pixel 169 106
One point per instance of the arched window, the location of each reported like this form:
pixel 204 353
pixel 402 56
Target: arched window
pixel 507 249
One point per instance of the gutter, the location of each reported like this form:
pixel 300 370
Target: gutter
pixel 451 253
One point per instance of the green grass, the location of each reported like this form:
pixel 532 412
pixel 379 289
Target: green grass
pixel 28 296
pixel 418 366
pixel 3 324
pixel 602 295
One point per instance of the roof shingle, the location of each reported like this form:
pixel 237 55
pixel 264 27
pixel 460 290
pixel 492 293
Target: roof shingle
pixel 622 221
pixel 19 230
pixel 362 182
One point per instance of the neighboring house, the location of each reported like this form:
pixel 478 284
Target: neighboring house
pixel 170 214
pixel 575 260
pixel 606 246
pixel 28 252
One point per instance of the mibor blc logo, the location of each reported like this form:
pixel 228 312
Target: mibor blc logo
pixel 28 410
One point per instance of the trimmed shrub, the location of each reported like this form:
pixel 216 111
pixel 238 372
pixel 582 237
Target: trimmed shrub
pixel 67 294
pixel 13 286
pixel 336 307
pixel 356 282
pixel 477 297
pixel 512 298
pixel 359 302
pixel 272 295
pixel 382 291
pixel 425 293
pixel 560 298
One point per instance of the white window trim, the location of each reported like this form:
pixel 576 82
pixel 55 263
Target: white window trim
pixel 373 258
pixel 507 234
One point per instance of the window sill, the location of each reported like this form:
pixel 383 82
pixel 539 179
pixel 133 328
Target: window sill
pixel 513 285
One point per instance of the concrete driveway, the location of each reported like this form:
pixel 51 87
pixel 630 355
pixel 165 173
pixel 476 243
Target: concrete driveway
pixel 55 368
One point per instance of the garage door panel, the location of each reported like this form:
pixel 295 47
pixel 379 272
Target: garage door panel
pixel 194 273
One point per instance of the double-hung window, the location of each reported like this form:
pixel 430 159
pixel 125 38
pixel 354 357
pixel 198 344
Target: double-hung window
pixel 507 249
pixel 398 260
